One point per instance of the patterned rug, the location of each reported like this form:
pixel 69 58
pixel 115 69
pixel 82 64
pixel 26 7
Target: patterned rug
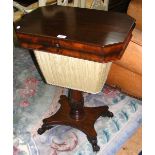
pixel 35 100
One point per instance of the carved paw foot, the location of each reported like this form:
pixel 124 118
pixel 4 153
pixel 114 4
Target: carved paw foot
pixel 93 141
pixel 41 131
pixel 96 148
pixel 107 114
pixel 44 128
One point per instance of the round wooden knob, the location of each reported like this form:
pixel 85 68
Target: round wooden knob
pixel 57 45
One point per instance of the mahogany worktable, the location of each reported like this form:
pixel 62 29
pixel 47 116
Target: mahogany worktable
pixel 87 34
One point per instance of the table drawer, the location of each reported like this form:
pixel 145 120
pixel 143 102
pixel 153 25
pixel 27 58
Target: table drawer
pixel 69 48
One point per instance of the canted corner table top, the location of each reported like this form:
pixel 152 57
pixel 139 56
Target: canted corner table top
pixel 81 33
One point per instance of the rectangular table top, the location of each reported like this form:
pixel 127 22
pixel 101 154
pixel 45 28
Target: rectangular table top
pixel 102 34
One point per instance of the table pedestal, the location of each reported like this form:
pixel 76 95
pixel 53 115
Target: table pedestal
pixel 73 113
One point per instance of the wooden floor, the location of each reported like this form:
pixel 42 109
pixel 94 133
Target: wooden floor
pixel 133 146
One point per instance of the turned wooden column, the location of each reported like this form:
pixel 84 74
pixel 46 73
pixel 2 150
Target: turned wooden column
pixel 76 102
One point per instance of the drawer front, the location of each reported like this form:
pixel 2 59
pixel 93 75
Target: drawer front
pixel 69 48
pixel 59 43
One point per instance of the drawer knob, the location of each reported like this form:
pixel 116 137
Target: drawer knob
pixel 57 45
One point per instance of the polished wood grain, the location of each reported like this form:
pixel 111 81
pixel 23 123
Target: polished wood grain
pixel 90 34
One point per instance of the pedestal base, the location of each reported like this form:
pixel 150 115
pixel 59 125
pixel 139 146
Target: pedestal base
pixel 84 123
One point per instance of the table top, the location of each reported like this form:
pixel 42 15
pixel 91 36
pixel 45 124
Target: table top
pixel 75 28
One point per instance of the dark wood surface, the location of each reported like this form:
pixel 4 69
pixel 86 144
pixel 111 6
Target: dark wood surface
pixel 90 34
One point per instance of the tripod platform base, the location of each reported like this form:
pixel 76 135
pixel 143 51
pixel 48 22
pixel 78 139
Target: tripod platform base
pixel 85 124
